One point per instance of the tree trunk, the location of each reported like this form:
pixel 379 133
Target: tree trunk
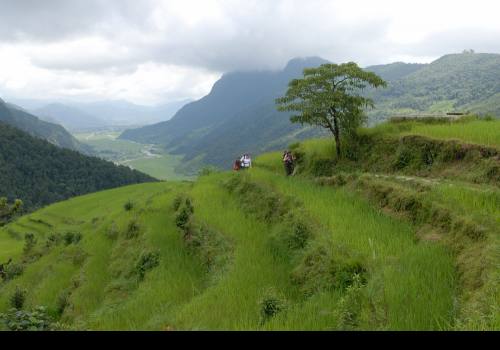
pixel 336 133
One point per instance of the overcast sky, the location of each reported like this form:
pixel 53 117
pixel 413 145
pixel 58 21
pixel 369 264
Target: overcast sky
pixel 156 51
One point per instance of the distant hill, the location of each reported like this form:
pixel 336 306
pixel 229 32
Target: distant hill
pixel 396 70
pixel 69 117
pixel 238 115
pixel 54 133
pixel 456 82
pixel 39 173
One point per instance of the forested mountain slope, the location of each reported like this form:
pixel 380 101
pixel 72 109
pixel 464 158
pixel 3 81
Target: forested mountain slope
pixel 467 82
pixel 54 133
pixel 39 173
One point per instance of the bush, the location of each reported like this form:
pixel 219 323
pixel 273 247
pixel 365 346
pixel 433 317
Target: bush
pixel 177 202
pixel 18 298
pixel 270 304
pixel 29 242
pixel 133 229
pixel 35 320
pixel 13 270
pixel 147 261
pixel 327 267
pixel 128 205
pixel 72 237
pixel 184 214
pixel 53 240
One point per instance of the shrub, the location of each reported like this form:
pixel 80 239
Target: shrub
pixel 29 242
pixel 177 202
pixel 36 320
pixel 213 248
pixel 128 205
pixel 270 304
pixel 18 298
pixel 327 268
pixel 133 229
pixel 53 240
pixel 72 237
pixel 147 261
pixel 13 270
pixel 184 214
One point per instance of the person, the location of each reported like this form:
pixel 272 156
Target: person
pixel 246 161
pixel 237 165
pixel 288 162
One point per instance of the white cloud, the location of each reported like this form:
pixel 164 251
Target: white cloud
pixel 153 50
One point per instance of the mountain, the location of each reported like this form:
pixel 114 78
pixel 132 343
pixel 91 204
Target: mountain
pixel 69 117
pixel 396 70
pixel 39 173
pixel 237 116
pixel 467 82
pixel 55 134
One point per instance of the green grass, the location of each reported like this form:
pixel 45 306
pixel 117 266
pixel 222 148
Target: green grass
pixel 411 284
pixel 162 167
pixel 417 279
pixel 145 158
pixel 479 132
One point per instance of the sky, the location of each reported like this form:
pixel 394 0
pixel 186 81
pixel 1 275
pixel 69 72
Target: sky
pixel 158 51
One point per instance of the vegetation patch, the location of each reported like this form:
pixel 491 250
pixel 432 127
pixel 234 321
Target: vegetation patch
pixel 328 267
pixel 212 248
pixel 271 303
pixel 472 242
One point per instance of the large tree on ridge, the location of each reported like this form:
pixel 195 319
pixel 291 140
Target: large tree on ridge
pixel 329 96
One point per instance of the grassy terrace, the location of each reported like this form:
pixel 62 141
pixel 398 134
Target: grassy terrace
pixel 403 282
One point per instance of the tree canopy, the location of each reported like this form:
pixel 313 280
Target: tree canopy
pixel 329 96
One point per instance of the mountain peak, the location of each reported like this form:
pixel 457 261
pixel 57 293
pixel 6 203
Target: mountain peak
pixel 299 63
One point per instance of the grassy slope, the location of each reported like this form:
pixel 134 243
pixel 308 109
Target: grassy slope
pixel 162 167
pixel 173 295
pixel 412 284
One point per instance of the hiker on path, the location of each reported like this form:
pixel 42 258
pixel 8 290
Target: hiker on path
pixel 246 161
pixel 237 165
pixel 288 162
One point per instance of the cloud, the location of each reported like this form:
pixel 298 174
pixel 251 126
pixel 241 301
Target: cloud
pixel 90 43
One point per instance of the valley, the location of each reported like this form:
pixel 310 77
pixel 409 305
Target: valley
pixel 147 158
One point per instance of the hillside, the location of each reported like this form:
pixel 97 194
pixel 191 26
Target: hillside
pixel 402 235
pixel 55 134
pixel 40 173
pixel 239 114
pixel 455 82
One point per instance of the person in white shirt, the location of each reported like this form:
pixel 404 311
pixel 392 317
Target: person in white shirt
pixel 246 161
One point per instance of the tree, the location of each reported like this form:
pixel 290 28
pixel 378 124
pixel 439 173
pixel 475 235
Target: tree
pixel 7 212
pixel 328 96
